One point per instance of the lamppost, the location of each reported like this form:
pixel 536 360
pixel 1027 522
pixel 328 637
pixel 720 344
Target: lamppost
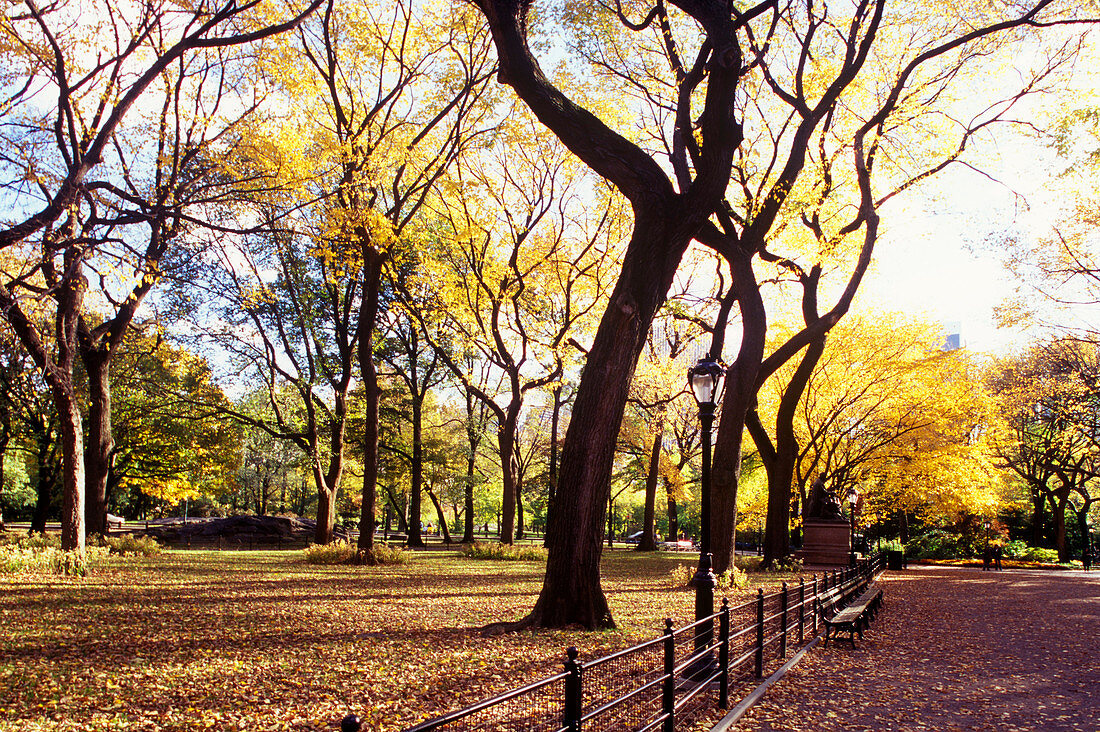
pixel 853 499
pixel 705 378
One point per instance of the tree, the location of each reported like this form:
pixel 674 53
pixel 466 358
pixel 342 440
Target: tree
pixel 400 89
pixel 53 150
pixel 522 267
pixel 1049 402
pixel 169 444
pixel 729 63
pixel 884 414
pixel 416 365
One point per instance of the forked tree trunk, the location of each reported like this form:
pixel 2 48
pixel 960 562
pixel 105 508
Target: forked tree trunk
pixel 443 529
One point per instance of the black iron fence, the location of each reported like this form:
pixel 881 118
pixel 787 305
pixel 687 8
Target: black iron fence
pixel 668 681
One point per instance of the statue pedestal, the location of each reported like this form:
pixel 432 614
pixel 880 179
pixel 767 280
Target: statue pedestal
pixel 826 541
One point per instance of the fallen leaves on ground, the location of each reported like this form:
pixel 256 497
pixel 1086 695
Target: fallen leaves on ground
pixel 262 640
pixel 955 649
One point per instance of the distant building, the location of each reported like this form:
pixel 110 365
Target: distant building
pixel 952 339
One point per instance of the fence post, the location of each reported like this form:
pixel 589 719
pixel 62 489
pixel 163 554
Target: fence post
pixel 801 610
pixel 572 717
pixel 668 688
pixel 724 655
pixel 817 603
pixel 784 604
pixel 760 633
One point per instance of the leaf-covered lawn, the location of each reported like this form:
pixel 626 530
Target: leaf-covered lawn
pixel 262 640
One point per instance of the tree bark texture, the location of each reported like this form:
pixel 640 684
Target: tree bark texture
pixel 101 442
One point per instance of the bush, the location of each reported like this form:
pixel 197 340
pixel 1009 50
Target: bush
pixel 16 559
pixel 338 552
pixel 503 552
pixel 680 576
pixel 127 544
pixel 733 579
pixel 938 544
pixel 1039 554
pixel 385 554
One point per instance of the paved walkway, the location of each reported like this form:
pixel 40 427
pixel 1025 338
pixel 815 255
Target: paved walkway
pixel 955 649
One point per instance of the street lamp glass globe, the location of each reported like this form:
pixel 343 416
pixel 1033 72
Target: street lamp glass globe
pixel 705 378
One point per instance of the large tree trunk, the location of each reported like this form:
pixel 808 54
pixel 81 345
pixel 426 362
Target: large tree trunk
pixel 648 540
pixel 71 431
pixel 552 474
pixel 506 441
pixel 416 483
pixel 101 442
pixel 777 529
pixel 326 515
pixel 1038 501
pixel 665 221
pixel 571 591
pixel 468 501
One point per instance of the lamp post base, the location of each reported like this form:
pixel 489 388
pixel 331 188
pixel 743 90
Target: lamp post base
pixel 705 583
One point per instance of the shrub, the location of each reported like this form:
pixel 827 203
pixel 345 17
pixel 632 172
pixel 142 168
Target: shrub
pixel 385 554
pixel 937 544
pixel 16 559
pixel 1016 549
pixel 503 552
pixel 338 552
pixel 680 576
pixel 1039 554
pixel 733 579
pixel 128 544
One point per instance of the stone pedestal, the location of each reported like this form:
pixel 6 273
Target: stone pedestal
pixel 826 541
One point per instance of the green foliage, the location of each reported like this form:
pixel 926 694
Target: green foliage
pixel 894 545
pixel 338 552
pixel 503 552
pixel 789 565
pixel 940 544
pixel 30 541
pixel 1039 554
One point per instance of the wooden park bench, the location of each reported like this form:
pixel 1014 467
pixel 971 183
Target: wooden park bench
pixel 852 617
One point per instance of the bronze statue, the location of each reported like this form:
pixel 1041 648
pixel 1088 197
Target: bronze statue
pixel 822 503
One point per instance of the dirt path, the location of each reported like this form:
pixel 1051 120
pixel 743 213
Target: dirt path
pixel 955 649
